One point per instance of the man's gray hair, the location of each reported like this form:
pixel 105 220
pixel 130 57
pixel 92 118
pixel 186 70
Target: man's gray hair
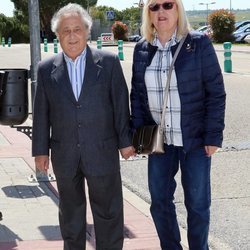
pixel 71 9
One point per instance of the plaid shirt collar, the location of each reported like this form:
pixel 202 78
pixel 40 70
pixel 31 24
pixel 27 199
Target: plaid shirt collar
pixel 172 41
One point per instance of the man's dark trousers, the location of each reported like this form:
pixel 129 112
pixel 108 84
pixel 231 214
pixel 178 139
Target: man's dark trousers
pixel 105 196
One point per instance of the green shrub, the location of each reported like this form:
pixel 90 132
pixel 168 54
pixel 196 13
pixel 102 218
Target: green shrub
pixel 222 24
pixel 120 30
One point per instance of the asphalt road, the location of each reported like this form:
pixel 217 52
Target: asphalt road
pixel 230 211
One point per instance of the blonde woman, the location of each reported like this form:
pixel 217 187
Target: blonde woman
pixel 194 119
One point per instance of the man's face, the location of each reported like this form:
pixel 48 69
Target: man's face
pixel 72 35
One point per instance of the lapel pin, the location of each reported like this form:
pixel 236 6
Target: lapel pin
pixel 188 47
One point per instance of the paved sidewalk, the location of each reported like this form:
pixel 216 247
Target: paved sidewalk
pixel 30 210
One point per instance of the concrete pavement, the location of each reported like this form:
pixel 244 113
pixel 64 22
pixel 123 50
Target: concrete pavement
pixel 30 210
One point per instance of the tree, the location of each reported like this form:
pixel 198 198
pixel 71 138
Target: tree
pixel 100 13
pixel 12 27
pixel 222 23
pixel 47 10
pixel 131 16
pixel 132 13
pixel 4 23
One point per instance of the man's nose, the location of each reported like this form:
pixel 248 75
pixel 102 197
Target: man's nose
pixel 71 33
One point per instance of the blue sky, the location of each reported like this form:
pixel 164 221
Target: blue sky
pixel 6 6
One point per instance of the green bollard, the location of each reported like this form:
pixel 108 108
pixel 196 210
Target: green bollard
pixel 227 55
pixel 3 41
pixel 99 44
pixel 9 42
pixel 45 43
pixel 120 50
pixel 55 46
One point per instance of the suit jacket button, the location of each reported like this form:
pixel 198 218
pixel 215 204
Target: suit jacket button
pixel 78 145
pixel 78 106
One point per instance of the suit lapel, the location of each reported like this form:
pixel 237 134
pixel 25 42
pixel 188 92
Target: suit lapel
pixel 91 74
pixel 92 71
pixel 60 74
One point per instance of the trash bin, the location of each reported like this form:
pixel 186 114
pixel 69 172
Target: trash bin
pixel 14 106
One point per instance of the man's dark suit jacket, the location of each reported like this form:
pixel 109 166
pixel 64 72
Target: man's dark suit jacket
pixel 91 129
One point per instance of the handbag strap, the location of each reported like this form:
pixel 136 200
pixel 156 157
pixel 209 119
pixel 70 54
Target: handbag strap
pixel 169 78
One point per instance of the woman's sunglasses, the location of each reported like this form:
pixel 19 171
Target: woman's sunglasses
pixel 165 6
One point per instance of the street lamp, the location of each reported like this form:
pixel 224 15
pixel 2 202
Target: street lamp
pixel 207 7
pixel 88 6
pixel 230 6
pixel 140 5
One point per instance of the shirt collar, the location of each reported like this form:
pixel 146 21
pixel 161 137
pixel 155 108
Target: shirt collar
pixel 172 41
pixel 69 60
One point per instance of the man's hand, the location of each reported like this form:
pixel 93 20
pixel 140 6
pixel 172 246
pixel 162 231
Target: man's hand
pixel 210 150
pixel 42 163
pixel 127 152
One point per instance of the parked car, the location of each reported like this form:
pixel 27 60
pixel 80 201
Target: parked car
pixel 206 29
pixel 241 33
pixel 134 38
pixel 240 24
pixel 202 28
pixel 247 39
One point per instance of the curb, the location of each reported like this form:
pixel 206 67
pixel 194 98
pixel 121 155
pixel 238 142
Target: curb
pixel 144 208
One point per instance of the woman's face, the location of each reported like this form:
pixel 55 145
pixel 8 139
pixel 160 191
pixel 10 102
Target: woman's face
pixel 164 16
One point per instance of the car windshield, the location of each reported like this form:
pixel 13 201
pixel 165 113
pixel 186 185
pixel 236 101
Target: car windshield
pixel 202 28
pixel 240 24
pixel 243 28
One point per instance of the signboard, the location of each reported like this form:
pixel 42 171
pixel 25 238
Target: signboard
pixel 107 38
pixel 110 14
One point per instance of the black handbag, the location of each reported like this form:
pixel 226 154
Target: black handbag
pixel 150 139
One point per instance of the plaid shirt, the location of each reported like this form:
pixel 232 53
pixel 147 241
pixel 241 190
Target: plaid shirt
pixel 156 79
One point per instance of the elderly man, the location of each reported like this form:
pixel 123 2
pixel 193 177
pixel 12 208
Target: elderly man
pixel 81 112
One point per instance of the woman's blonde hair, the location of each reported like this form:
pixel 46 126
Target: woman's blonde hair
pixel 147 28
